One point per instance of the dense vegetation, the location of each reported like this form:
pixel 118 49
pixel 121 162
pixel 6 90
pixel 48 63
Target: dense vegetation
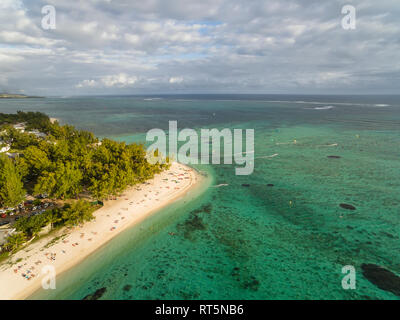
pixel 63 164
pixel 33 120
pixel 70 214
pixel 67 162
pixel 11 188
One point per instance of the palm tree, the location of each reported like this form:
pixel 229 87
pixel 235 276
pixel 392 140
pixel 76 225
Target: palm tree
pixel 15 241
pixel 54 218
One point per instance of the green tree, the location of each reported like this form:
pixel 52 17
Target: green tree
pixel 77 212
pixel 64 182
pixel 46 183
pixel 15 241
pixel 11 187
pixel 68 160
pixel 54 217
pixel 37 160
pixel 31 226
pixel 22 167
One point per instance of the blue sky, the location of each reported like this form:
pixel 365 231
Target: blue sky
pixel 209 46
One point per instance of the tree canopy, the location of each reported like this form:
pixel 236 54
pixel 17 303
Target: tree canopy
pixel 11 187
pixel 68 161
pixel 62 163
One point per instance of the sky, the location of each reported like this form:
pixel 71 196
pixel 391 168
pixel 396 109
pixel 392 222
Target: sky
pixel 191 46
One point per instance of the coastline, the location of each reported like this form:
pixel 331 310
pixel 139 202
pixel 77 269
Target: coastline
pixel 134 206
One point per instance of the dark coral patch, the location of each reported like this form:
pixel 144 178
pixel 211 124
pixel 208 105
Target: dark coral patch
pixel 127 287
pixel 192 224
pixel 97 295
pixel 347 206
pixel 382 278
pixel 253 284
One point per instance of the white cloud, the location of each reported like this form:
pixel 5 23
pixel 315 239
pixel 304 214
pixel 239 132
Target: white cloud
pixel 175 80
pixel 11 4
pixel 104 46
pixel 90 27
pixel 121 80
pixel 15 37
pixel 6 58
pixel 87 84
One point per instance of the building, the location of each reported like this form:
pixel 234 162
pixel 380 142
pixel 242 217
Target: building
pixel 5 148
pixel 95 145
pixel 19 127
pixel 38 134
pixel 4 234
pixel 12 155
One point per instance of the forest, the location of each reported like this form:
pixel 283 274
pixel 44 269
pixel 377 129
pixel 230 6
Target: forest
pixel 63 163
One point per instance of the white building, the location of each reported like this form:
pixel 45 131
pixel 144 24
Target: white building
pixel 5 148
pixel 20 127
pixel 4 234
pixel 12 155
pixel 38 134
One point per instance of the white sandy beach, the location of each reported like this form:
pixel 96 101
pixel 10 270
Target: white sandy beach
pixel 76 244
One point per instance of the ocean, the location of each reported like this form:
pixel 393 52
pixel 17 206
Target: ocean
pixel 285 235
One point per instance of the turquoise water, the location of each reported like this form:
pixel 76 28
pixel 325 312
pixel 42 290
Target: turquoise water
pixel 289 241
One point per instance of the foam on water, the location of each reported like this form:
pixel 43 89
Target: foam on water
pixel 324 108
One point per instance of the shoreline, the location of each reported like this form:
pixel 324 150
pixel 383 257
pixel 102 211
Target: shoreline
pixel 71 246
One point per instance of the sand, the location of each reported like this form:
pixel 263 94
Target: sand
pixel 69 247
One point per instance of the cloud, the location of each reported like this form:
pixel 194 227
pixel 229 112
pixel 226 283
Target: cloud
pixel 118 47
pixel 15 37
pixel 175 80
pixel 87 84
pixel 121 80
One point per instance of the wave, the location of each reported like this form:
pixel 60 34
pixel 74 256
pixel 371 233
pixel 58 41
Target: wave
pixel 221 185
pixel 324 108
pixel 331 103
pixel 329 145
pixel 318 102
pixel 321 108
pixel 268 157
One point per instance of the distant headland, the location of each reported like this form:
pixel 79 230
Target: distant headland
pixel 15 96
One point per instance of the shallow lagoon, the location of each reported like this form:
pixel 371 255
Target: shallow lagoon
pixel 286 241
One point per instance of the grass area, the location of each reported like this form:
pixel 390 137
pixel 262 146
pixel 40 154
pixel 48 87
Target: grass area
pixel 53 242
pixel 4 256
